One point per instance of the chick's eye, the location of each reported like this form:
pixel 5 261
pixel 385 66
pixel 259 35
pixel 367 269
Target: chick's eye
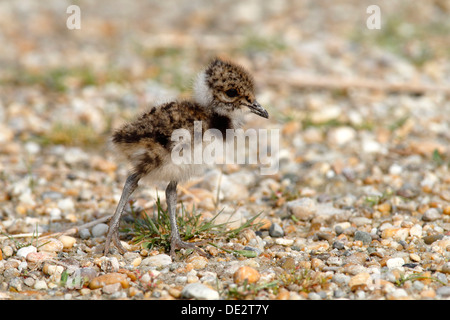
pixel 231 93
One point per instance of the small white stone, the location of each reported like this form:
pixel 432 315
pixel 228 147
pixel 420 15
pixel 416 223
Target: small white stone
pixel 55 213
pixel 22 266
pixel 40 284
pixel 32 147
pixel 395 169
pixel 371 146
pixel 303 208
pixel 341 135
pixel 416 231
pixel 27 198
pixel 160 260
pixel 146 278
pixel 399 293
pixel 66 205
pixel 395 263
pixel 23 252
pixel 199 291
pixel 284 242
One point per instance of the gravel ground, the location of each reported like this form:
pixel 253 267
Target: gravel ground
pixel 360 205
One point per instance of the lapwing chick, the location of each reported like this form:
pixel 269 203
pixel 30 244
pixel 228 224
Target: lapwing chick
pixel 223 94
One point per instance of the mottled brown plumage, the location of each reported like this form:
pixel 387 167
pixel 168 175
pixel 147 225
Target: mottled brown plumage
pixel 223 93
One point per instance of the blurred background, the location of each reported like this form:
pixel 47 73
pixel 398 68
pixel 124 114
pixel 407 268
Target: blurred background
pixel 340 92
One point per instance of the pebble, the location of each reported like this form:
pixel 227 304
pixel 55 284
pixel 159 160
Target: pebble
pixel 288 264
pixel 428 294
pixel 395 233
pixel 360 280
pixel 66 205
pixel 11 272
pixel 284 242
pixel 341 135
pixel 432 238
pixel 198 262
pixel 40 285
pixel 446 268
pixel 199 291
pixel 256 244
pixel 15 284
pixel 52 195
pixel 354 269
pixel 67 241
pixel 29 282
pixel 418 285
pixel 303 208
pixel 109 264
pixel 319 246
pixel 443 291
pixel 85 291
pixel 338 245
pixel 443 243
pixel 416 231
pixel 159 260
pixel 431 214
pixel 414 257
pixel 50 245
pixel 395 263
pixel 441 277
pixel 365 237
pixel 148 277
pixel 7 251
pixel 341 279
pixel 340 227
pixel 87 274
pixel 12 263
pixel 181 279
pixel 133 258
pixel 84 233
pixel 108 279
pixel 99 230
pixel 39 256
pixel 276 231
pixel 398 294
pixel 246 273
pixel 314 296
pixel 51 269
pixel 112 288
pixel 24 251
pixel 338 294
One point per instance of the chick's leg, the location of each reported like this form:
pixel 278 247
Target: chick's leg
pixel 113 232
pixel 175 239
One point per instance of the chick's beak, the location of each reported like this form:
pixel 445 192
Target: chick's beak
pixel 256 108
